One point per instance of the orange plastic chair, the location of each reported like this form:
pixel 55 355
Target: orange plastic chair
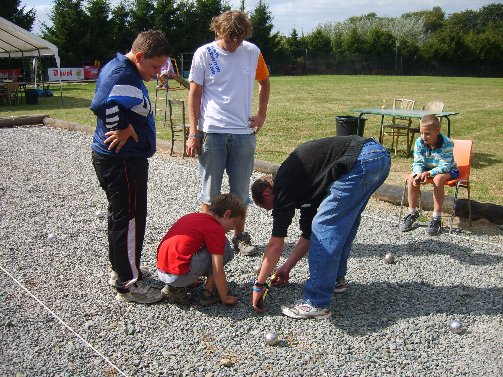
pixel 462 155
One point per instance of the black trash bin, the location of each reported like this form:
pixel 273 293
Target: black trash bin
pixel 31 96
pixel 349 125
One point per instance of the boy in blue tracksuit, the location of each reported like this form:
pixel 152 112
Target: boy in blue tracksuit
pixel 123 141
pixel 433 158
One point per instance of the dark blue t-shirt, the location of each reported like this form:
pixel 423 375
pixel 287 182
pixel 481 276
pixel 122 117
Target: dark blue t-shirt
pixel 121 99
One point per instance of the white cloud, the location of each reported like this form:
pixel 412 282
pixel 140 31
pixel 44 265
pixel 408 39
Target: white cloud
pixel 42 15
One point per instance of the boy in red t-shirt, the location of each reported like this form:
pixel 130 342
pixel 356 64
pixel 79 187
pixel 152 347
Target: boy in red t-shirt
pixel 196 245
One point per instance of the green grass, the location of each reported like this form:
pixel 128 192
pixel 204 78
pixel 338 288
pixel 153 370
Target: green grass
pixel 302 108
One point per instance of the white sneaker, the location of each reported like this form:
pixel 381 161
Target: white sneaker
pixel 140 293
pixel 145 273
pixel 304 310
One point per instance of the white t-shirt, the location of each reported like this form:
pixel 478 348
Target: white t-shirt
pixel 228 80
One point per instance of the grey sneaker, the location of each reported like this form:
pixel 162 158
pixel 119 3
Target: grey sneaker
pixel 434 227
pixel 341 285
pixel 113 276
pixel 140 293
pixel 304 310
pixel 209 298
pixel 177 294
pixel 242 244
pixel 408 221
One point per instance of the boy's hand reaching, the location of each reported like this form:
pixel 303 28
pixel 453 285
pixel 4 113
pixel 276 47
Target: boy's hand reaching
pixel 280 278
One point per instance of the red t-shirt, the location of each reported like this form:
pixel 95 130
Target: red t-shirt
pixel 187 236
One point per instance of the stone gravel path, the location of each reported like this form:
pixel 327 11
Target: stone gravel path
pixel 394 320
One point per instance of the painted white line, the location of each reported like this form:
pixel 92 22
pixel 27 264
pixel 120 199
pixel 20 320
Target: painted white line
pixel 63 322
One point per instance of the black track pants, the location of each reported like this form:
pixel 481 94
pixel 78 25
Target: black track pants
pixel 124 181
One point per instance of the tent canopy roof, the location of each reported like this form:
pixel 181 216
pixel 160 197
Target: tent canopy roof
pixel 18 42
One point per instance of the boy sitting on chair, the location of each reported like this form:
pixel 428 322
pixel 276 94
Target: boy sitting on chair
pixel 433 158
pixel 196 246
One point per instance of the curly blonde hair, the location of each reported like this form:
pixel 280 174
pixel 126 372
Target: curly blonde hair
pixel 233 24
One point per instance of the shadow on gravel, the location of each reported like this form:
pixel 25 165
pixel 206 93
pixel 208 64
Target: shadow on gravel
pixel 462 254
pixel 369 308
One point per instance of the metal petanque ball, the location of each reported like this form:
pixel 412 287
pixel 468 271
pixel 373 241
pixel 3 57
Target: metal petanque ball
pixel 271 338
pixel 389 258
pixel 456 327
pixel 51 237
pixel 100 214
pixel 257 269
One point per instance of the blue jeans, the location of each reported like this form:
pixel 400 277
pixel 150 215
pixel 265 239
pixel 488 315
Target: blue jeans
pixel 335 225
pixel 233 153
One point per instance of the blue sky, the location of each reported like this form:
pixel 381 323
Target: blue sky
pixel 305 15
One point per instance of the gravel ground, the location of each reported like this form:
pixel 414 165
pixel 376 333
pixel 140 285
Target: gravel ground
pixel 394 319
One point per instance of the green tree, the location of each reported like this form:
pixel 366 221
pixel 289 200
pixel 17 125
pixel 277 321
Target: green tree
pixel 13 11
pixel 123 33
pixel 261 20
pixel 69 20
pixel 319 40
pixel 462 22
pixel 165 15
pixel 433 19
pixel 181 34
pixel 142 15
pixel 98 37
pixel 353 42
pixel 293 41
pixel 379 41
pixel 490 14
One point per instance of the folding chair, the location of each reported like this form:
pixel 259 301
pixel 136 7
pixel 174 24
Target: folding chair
pixel 462 155
pixel 399 126
pixel 179 129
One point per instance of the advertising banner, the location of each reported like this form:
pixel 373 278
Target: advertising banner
pixel 66 74
pixel 10 74
pixel 91 72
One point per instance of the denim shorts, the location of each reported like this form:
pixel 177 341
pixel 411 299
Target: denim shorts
pixel 454 173
pixel 231 153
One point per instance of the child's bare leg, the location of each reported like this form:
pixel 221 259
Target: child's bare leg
pixel 438 191
pixel 412 193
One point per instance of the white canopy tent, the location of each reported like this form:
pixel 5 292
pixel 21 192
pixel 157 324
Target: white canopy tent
pixel 16 42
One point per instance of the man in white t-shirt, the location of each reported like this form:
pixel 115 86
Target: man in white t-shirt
pixel 222 127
